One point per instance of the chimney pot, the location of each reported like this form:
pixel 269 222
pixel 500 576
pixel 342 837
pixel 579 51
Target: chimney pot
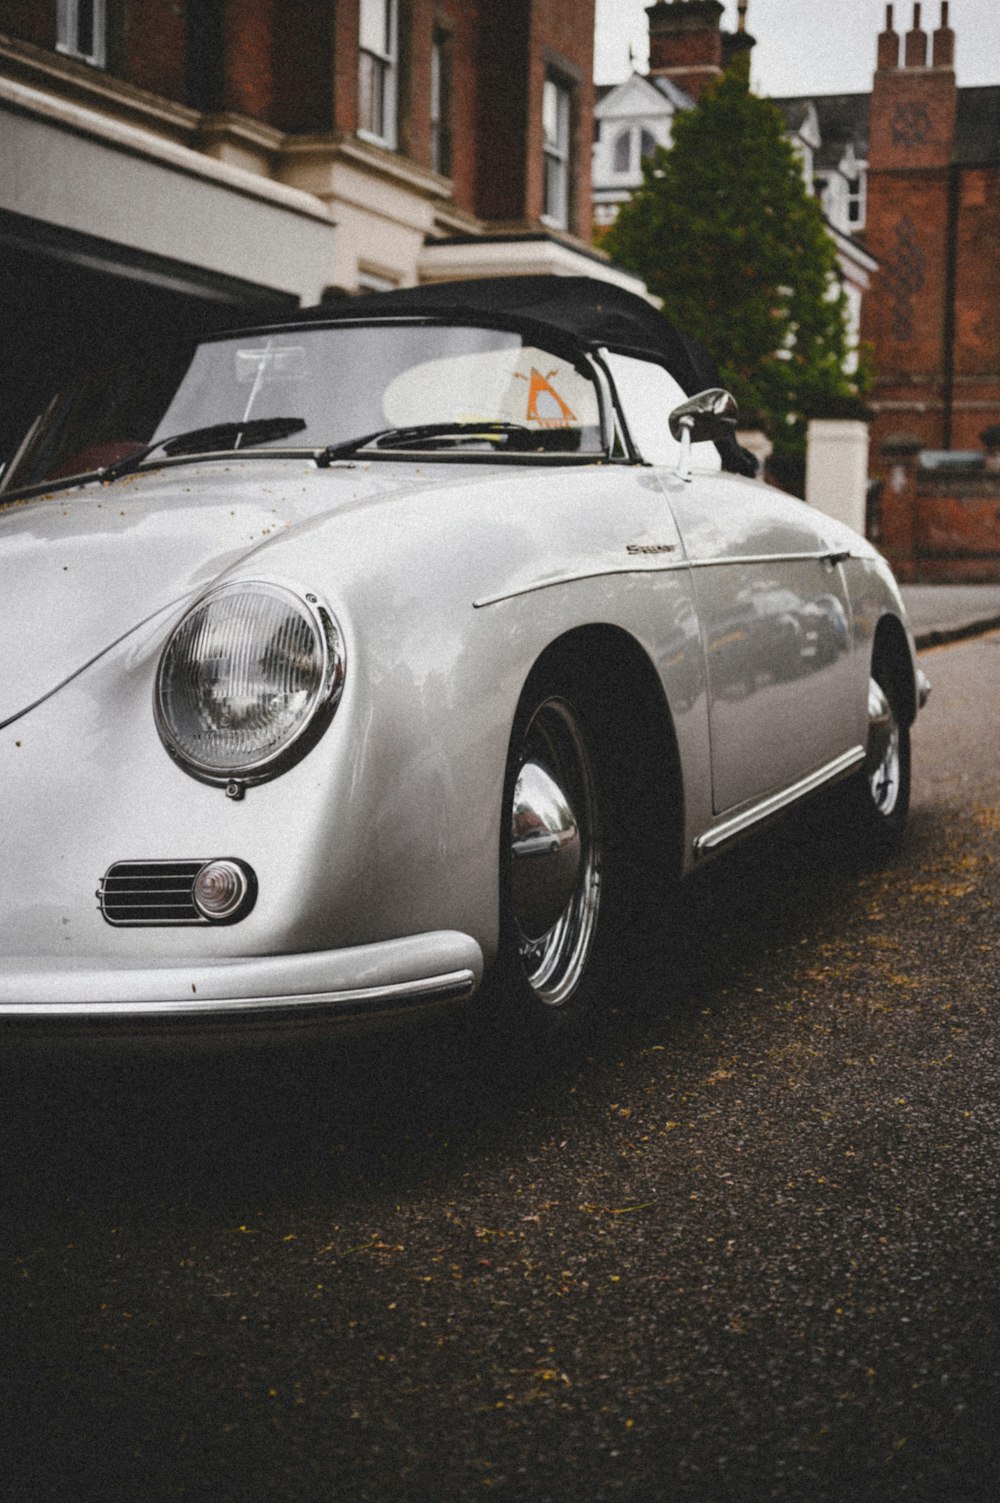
pixel 888 43
pixel 916 43
pixel 944 41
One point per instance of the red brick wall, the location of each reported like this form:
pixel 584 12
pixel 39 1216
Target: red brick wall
pixel 461 19
pixel 30 21
pixel 154 47
pixel 294 64
pixel 562 41
pixel 303 67
pixel 502 116
pixel 345 65
pixel 248 82
pixel 904 318
pixel 685 43
pixel 958 529
pixel 519 41
pixel 935 229
pixel 977 306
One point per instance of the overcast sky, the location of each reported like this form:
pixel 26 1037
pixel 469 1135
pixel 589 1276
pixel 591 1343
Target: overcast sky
pixel 812 46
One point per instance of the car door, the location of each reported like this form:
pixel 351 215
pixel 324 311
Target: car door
pixel 771 603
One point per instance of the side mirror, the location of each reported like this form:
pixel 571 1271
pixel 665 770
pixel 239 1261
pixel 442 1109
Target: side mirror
pixel 708 416
pixel 704 418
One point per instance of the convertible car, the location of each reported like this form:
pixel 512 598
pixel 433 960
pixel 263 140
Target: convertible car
pixel 415 640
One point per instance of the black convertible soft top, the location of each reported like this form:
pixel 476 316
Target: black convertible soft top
pixel 596 313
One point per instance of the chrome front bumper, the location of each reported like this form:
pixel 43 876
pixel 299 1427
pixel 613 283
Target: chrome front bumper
pixel 328 986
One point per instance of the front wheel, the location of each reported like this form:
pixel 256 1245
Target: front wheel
pixel 552 862
pixel 589 848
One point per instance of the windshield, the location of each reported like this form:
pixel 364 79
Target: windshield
pixel 339 384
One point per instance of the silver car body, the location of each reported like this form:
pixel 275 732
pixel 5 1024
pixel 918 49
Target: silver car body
pixel 376 854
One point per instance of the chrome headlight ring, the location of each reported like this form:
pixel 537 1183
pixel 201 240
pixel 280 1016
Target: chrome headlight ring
pixel 247 682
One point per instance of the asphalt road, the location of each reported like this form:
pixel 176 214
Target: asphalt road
pixel 745 1247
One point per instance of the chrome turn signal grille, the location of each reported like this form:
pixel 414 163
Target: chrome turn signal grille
pixel 164 892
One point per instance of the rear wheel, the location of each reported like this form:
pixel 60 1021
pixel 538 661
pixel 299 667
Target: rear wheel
pixel 881 792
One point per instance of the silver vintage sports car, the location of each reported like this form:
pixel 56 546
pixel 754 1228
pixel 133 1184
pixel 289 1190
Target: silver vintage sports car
pixel 427 636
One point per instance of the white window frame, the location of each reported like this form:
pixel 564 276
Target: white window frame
pixel 441 142
pixel 627 133
pixel 635 156
pixel 857 199
pixel 68 23
pixel 382 64
pixel 557 151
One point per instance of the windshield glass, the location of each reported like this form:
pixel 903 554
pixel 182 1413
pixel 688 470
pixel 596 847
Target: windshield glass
pixel 342 383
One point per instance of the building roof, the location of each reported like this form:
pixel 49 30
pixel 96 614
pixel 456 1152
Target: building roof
pixel 641 95
pixel 678 97
pixel 842 118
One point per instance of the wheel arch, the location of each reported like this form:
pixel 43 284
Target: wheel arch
pixel 637 720
pixel 891 654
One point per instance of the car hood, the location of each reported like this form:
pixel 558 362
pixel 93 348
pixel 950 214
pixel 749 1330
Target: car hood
pixel 82 568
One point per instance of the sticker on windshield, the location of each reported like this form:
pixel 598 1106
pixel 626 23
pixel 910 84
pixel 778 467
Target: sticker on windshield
pixel 545 406
pixel 493 385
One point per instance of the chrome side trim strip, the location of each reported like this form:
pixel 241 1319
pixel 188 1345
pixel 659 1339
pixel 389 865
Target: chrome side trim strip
pixel 740 824
pixel 815 556
pixel 633 566
pixel 363 1001
pixel 636 566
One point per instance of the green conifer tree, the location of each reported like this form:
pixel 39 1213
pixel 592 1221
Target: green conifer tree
pixel 724 230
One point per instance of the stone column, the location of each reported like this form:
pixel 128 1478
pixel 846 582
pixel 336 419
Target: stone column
pixel 837 469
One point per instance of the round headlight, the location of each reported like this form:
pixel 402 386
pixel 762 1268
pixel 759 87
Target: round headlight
pixel 247 681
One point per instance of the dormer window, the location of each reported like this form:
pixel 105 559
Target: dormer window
pixel 80 30
pixel 631 148
pixel 857 200
pixel 377 70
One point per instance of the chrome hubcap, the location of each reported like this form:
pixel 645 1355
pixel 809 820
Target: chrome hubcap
pixel 882 763
pixel 555 854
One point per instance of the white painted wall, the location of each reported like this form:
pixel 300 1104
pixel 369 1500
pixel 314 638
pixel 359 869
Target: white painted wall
pixel 71 167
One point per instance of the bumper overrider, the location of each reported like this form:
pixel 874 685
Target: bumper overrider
pixel 394 977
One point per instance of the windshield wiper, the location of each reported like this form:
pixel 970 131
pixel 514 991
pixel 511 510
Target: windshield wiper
pixel 200 440
pixel 423 434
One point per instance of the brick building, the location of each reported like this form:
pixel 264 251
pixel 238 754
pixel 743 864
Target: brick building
pixel 909 179
pixel 168 162
pixel 916 167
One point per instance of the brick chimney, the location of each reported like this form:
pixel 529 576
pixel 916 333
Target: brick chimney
pixel 908 229
pixel 913 106
pixel 685 42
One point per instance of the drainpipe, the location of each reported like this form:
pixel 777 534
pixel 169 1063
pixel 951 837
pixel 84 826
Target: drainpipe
pixel 951 279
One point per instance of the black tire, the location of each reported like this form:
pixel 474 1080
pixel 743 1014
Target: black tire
pixel 574 922
pixel 880 794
